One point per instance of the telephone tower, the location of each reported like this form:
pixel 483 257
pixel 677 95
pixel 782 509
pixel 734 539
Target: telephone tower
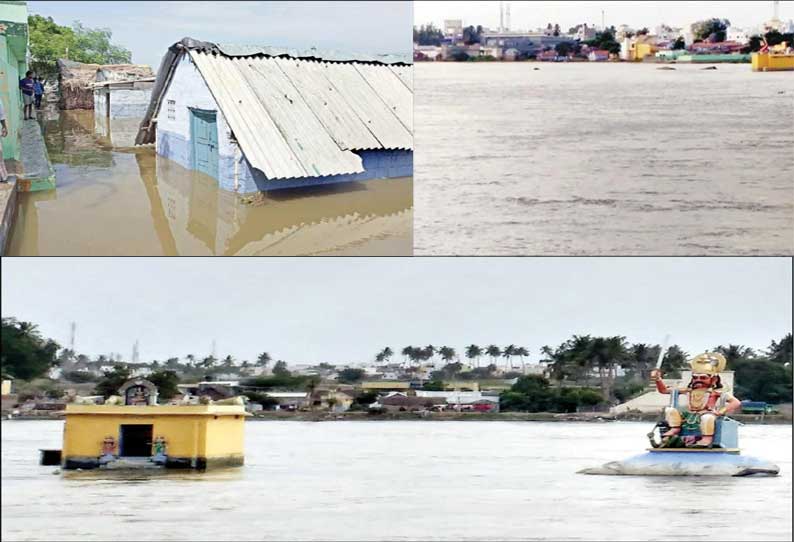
pixel 507 17
pixel 501 17
pixel 72 333
pixel 136 355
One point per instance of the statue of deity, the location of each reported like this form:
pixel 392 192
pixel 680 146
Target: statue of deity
pixel 706 401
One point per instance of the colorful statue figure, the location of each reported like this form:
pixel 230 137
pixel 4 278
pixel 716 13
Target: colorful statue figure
pixel 108 450
pixel 695 424
pixel 159 450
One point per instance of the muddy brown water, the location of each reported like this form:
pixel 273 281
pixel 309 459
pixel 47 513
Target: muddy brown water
pixel 401 480
pixel 132 202
pixel 603 159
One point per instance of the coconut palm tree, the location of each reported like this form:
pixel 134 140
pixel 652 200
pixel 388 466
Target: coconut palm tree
pixel 474 352
pixel 521 352
pixel 508 353
pixel 387 354
pixel 447 353
pixel 263 360
pixel 494 352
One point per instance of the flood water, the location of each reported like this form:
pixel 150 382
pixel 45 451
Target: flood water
pixel 373 480
pixel 133 202
pixel 585 158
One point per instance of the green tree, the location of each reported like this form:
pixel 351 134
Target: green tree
pixel 112 380
pixel 50 41
pixel 428 35
pixel 263 360
pixel 447 353
pixel 350 375
pixel 493 352
pixel 25 353
pixel 714 29
pixel 564 48
pixel 433 385
pixel 781 352
pixel 166 382
pixel 679 43
pixel 735 353
pixel 280 369
pixel 473 352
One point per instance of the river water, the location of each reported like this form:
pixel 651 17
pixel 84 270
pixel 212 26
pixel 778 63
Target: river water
pixel 110 202
pixel 585 158
pixel 371 480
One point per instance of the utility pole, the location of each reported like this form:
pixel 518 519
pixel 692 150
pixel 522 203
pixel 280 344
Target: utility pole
pixel 501 17
pixel 603 21
pixel 135 353
pixel 507 18
pixel 73 332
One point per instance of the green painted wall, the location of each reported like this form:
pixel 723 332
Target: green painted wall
pixel 13 61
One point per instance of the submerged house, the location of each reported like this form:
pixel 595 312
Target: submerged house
pixel 261 118
pixel 76 80
pixel 119 105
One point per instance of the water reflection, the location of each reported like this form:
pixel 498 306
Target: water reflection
pixel 133 202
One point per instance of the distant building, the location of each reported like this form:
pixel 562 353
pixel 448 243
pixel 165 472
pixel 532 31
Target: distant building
pixel 453 28
pixel 119 107
pixel 6 389
pixel 738 35
pixel 526 43
pixel 290 400
pixel 428 52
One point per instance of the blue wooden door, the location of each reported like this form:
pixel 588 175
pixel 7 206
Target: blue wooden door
pixel 204 134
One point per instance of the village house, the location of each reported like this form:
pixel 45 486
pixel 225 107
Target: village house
pixel 76 80
pixel 121 99
pixel 290 400
pixel 260 118
pixel 598 55
pixel 400 402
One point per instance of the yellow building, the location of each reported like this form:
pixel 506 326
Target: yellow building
pixel 640 50
pixel 779 58
pixel 385 385
pixel 182 436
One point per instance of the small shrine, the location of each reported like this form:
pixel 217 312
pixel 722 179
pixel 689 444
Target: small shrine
pixel 132 431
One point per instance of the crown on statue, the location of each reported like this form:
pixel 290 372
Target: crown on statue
pixel 710 363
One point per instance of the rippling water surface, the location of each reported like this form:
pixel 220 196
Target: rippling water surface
pixel 110 202
pixel 398 481
pixel 531 158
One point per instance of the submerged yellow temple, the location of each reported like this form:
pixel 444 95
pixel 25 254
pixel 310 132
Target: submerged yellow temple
pixel 140 433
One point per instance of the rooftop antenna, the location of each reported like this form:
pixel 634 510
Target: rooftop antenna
pixel 135 353
pixel 507 17
pixel 73 332
pixel 501 17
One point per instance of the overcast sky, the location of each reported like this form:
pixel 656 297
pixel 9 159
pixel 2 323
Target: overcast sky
pixel 343 310
pixel 531 15
pixel 149 28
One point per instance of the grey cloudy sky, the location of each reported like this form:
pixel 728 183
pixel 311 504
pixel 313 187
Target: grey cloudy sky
pixel 148 28
pixel 531 15
pixel 345 309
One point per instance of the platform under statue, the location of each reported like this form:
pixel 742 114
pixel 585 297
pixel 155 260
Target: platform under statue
pixel 696 436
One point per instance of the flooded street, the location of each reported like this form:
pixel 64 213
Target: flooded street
pixel 132 202
pixel 371 480
pixel 603 159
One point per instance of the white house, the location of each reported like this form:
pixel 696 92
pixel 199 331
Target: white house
pixel 259 118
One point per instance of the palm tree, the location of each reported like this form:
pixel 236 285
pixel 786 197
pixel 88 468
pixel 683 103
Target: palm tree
pixel 474 352
pixel 734 353
pixel 508 353
pixel 522 351
pixel 263 360
pixel 228 362
pixel 447 353
pixel 191 359
pixel 427 354
pixel 387 354
pixel 494 352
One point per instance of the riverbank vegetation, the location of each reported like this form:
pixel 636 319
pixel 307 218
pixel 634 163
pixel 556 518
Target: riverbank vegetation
pixel 50 41
pixel 582 373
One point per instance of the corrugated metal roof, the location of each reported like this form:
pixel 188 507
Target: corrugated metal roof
pixel 242 50
pixel 331 108
pixel 406 75
pixel 391 90
pixel 295 116
pixel 379 118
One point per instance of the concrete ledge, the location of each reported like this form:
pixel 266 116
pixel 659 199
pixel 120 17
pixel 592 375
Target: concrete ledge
pixel 37 171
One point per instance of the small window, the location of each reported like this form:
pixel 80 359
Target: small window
pixel 172 109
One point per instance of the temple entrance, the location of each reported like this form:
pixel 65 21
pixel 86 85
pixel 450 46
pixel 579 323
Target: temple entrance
pixel 136 441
